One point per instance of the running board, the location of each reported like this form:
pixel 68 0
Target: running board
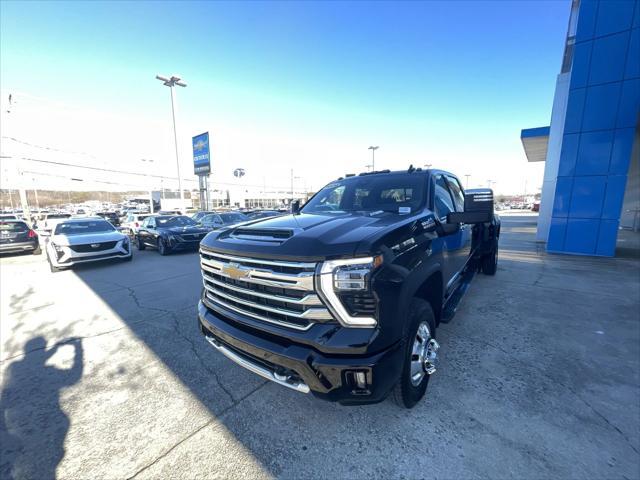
pixel 451 304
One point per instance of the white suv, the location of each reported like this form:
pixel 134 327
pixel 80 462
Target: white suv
pixel 83 240
pixel 132 222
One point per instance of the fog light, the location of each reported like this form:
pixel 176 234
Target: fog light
pixel 361 379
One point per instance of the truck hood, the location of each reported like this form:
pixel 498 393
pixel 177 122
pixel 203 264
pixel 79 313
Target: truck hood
pixel 66 240
pixel 305 236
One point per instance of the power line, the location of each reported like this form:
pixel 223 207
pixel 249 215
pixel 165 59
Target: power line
pixel 147 175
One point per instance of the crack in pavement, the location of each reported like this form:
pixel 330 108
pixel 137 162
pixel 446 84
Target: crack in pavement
pixel 200 428
pixel 176 328
pixel 570 389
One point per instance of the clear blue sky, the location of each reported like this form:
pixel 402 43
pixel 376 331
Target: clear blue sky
pixel 369 70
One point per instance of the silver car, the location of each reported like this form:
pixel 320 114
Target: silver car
pixel 84 240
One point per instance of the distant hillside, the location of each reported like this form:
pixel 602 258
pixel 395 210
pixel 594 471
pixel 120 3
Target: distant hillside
pixel 47 198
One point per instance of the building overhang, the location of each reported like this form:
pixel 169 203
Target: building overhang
pixel 535 142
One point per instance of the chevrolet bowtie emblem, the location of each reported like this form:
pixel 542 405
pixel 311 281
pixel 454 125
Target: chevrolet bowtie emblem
pixel 235 271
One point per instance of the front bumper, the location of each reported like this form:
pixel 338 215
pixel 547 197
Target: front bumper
pixel 301 367
pixel 176 244
pixel 70 257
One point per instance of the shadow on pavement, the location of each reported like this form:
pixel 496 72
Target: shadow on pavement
pixel 33 426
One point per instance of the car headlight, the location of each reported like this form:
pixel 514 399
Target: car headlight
pixel 58 249
pixel 345 277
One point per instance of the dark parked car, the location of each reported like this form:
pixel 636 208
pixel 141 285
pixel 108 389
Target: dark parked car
pixel 170 232
pixel 199 215
pixel 111 217
pixel 343 297
pixel 225 219
pixel 16 236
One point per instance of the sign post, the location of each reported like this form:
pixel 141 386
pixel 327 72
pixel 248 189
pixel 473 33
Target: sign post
pixel 202 166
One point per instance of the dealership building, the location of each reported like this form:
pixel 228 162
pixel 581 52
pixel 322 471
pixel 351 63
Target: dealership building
pixel 591 187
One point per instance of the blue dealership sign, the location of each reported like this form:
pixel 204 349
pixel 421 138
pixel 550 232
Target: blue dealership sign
pixel 201 155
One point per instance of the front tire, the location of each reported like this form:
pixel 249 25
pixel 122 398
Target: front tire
pixel 420 355
pixel 139 243
pixel 162 247
pixel 490 260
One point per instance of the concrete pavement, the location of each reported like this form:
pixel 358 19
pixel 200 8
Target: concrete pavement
pixel 104 375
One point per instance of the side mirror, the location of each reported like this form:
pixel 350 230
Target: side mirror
pixel 295 207
pixel 478 207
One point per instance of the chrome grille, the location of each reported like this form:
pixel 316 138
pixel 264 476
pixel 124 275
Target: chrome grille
pixel 276 292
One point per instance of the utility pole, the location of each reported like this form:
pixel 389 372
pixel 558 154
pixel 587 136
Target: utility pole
pixel 467 175
pixel 171 83
pixel 373 157
pixel 292 185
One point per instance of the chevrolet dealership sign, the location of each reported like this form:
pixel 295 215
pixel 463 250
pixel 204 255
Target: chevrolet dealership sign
pixel 201 154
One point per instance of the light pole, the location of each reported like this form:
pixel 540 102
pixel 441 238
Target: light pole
pixel 467 175
pixel 373 157
pixel 151 210
pixel 171 83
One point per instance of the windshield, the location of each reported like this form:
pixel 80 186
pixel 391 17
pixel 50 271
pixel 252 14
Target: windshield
pixel 234 217
pixel 178 221
pixel 397 193
pixel 80 228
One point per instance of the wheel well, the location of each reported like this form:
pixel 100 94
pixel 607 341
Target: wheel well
pixel 431 291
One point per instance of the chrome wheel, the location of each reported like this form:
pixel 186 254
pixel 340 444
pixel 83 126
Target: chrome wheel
pixel 424 354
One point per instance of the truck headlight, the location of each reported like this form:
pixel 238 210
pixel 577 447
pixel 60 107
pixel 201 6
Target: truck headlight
pixel 339 277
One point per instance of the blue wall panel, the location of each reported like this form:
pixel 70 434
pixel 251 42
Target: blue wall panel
pixel 632 69
pixel 607 235
pixel 582 236
pixel 557 232
pixel 563 197
pixel 601 106
pixel 581 64
pixel 609 58
pixel 629 104
pixel 616 16
pixel 598 136
pixel 568 155
pixel 587 197
pixel 594 153
pixel 614 196
pixel 621 152
pixel 586 20
pixel 575 109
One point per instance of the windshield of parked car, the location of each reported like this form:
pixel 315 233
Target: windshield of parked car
pixel 80 228
pixel 175 221
pixel 398 193
pixel 233 217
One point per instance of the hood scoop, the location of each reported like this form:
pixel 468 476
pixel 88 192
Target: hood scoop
pixel 262 234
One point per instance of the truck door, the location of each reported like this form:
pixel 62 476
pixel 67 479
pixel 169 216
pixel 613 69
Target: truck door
pixel 451 242
pixel 464 252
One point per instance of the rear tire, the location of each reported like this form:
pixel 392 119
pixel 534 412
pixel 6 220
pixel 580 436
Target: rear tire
pixel 410 390
pixel 490 260
pixel 37 251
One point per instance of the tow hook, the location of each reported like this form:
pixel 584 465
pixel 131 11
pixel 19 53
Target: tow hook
pixel 431 358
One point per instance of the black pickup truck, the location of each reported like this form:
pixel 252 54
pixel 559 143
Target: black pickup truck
pixel 342 298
